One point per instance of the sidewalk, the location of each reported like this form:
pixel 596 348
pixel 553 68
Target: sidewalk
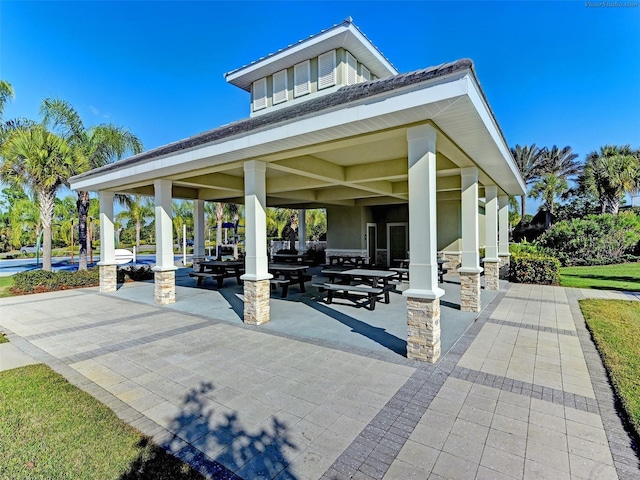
pixel 523 394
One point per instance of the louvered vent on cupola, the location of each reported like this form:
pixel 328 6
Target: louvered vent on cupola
pixel 301 79
pixel 366 74
pixel 352 69
pixel 259 94
pixel 280 87
pixel 327 69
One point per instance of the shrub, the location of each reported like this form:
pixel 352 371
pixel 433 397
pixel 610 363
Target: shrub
pixel 137 273
pixel 524 249
pixel 43 281
pixel 593 240
pixel 316 257
pixel 534 269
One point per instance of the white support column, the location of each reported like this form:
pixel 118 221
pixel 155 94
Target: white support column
pixel 198 233
pixel 107 264
pixel 165 277
pixel 256 278
pixel 503 230
pixel 423 294
pixel 302 231
pixel 491 260
pixel 470 269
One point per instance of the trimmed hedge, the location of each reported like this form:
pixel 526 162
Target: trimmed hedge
pixel 534 269
pixel 593 240
pixel 36 281
pixel 135 273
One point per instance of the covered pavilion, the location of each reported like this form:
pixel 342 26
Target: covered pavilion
pixel 424 145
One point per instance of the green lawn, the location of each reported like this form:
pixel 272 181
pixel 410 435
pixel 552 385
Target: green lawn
pixel 5 284
pixel 625 276
pixel 51 429
pixel 615 326
pixel 3 339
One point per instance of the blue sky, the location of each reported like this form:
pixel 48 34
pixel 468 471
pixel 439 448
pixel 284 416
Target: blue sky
pixel 554 72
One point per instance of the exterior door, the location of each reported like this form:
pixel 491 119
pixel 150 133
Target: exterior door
pixel 397 242
pixel 372 242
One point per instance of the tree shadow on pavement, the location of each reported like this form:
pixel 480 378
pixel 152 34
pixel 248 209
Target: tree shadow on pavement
pixel 213 440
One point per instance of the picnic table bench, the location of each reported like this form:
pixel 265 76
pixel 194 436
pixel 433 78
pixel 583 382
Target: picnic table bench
pixel 218 270
pixel 403 269
pixel 376 288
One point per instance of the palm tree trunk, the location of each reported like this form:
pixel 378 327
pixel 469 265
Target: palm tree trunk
pixel 524 207
pixel 614 204
pixel 47 199
pixel 83 211
pixel 138 228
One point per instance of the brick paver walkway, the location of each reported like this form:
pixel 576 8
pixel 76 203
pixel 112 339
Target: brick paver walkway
pixel 522 395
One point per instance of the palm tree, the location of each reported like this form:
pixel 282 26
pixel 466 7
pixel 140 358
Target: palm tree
pixel 100 145
pixel 610 174
pixel 561 162
pixel 6 93
pixel 219 215
pixel 548 188
pixel 529 162
pixel 182 215
pixel 41 161
pixel 138 210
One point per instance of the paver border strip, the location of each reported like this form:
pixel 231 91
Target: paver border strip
pixel 623 441
pixel 160 435
pixel 375 448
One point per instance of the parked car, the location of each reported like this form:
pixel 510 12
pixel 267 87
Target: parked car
pixel 29 249
pixel 189 242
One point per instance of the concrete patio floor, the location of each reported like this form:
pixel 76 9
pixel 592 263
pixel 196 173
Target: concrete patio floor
pixel 522 393
pixel 381 333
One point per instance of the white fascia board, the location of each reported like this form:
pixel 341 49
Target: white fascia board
pixel 390 110
pixel 377 63
pixel 491 125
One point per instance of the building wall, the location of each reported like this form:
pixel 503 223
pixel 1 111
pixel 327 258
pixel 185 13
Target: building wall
pixel 347 227
pixel 449 221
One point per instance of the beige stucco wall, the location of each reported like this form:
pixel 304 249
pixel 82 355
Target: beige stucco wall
pixel 347 227
pixel 449 225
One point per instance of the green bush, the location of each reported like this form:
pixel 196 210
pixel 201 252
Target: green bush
pixel 524 249
pixel 593 240
pixel 534 269
pixel 137 273
pixel 44 281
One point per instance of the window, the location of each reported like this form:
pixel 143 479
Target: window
pixel 366 74
pixel 301 77
pixel 280 87
pixel 352 69
pixel 327 69
pixel 259 94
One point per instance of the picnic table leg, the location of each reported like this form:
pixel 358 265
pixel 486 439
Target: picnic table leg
pixel 372 301
pixel 329 296
pixel 199 282
pixel 285 290
pixel 220 280
pixel 301 277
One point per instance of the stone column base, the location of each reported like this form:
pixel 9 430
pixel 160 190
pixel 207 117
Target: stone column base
pixel 491 275
pixel 423 326
pixel 165 287
pixel 108 278
pixel 453 261
pixel 196 262
pixel 256 301
pixel 469 292
pixel 504 259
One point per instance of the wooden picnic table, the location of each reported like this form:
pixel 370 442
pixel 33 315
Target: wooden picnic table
pixel 354 260
pixel 288 257
pixel 291 273
pixel 218 270
pixel 376 284
pixel 403 268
